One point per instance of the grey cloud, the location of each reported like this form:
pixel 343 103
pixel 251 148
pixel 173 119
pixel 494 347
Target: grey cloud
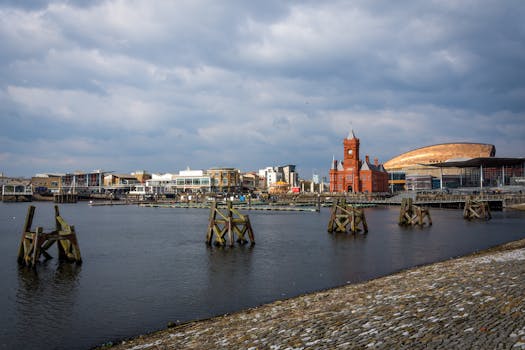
pixel 263 82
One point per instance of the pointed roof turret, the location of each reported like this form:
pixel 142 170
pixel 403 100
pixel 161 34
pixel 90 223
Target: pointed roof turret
pixel 351 135
pixel 334 166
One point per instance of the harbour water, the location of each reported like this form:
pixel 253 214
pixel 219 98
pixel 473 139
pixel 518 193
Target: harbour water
pixel 145 267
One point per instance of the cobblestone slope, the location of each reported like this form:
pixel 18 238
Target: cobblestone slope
pixel 474 302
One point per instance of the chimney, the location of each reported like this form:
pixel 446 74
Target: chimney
pixel 367 158
pixel 376 161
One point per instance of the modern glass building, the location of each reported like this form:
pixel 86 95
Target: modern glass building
pixel 453 165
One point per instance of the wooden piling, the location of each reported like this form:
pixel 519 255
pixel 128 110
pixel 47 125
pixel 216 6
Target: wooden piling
pixel 65 198
pixel 345 217
pixel 476 209
pixel 34 244
pixel 27 227
pixel 411 214
pixel 230 223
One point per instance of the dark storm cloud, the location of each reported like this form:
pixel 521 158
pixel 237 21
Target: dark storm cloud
pixel 163 85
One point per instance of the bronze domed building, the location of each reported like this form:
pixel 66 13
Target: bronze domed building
pixel 451 165
pixel 440 153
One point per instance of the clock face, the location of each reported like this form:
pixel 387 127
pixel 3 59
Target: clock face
pixel 350 152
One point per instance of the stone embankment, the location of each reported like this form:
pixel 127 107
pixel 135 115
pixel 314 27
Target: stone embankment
pixel 473 302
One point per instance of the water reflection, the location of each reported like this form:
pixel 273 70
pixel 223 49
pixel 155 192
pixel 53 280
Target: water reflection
pixel 348 236
pixel 224 265
pixel 61 274
pixel 37 290
pixel 227 262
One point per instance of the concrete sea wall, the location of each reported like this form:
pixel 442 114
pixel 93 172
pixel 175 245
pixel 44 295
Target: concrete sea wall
pixel 472 302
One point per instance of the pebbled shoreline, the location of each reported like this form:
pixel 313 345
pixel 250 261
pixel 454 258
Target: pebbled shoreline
pixel 472 302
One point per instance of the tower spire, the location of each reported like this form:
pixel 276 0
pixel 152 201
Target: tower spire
pixel 333 166
pixel 351 134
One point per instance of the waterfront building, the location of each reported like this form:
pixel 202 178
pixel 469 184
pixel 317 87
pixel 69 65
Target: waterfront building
pixel 77 182
pixel 484 172
pixel 186 181
pixel 279 187
pixel 453 165
pixel 16 189
pixel 289 174
pixel 141 175
pixel 355 175
pixel 120 182
pixel 225 179
pixel 192 181
pixel 160 179
pixel 46 183
pixel 270 175
pixel 250 181
pixel 157 184
pixel 145 191
pixel 284 173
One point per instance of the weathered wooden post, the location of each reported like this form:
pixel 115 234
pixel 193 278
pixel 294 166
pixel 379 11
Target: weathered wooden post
pixel 476 209
pixel 411 214
pixel 344 215
pixel 231 222
pixel 214 226
pixel 34 244
pixel 65 197
pixel 27 228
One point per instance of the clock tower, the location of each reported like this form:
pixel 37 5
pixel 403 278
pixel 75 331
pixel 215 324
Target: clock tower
pixel 351 162
pixel 351 175
pixel 351 146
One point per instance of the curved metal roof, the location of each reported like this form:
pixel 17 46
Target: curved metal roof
pixel 440 153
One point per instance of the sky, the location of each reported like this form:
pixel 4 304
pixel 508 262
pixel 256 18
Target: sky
pixel 126 85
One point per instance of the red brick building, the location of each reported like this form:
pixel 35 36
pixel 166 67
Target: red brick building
pixel 354 175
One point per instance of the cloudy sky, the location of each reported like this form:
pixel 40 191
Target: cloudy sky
pixel 124 85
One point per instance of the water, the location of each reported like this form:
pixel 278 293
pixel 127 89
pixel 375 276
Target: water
pixel 145 267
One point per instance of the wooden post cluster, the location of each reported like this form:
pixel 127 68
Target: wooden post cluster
pixel 411 214
pixel 345 216
pixel 36 243
pixel 229 222
pixel 476 209
pixel 65 197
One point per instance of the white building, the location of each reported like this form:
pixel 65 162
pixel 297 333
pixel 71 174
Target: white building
pixel 185 181
pixel 284 173
pixel 192 181
pixel 271 175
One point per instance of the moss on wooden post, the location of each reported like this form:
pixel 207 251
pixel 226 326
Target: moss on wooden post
pixel 411 214
pixel 34 244
pixel 345 217
pixel 476 209
pixel 229 222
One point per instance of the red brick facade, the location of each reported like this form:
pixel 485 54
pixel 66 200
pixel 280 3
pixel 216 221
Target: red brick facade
pixel 354 175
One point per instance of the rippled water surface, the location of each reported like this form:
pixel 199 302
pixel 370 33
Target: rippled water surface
pixel 145 267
